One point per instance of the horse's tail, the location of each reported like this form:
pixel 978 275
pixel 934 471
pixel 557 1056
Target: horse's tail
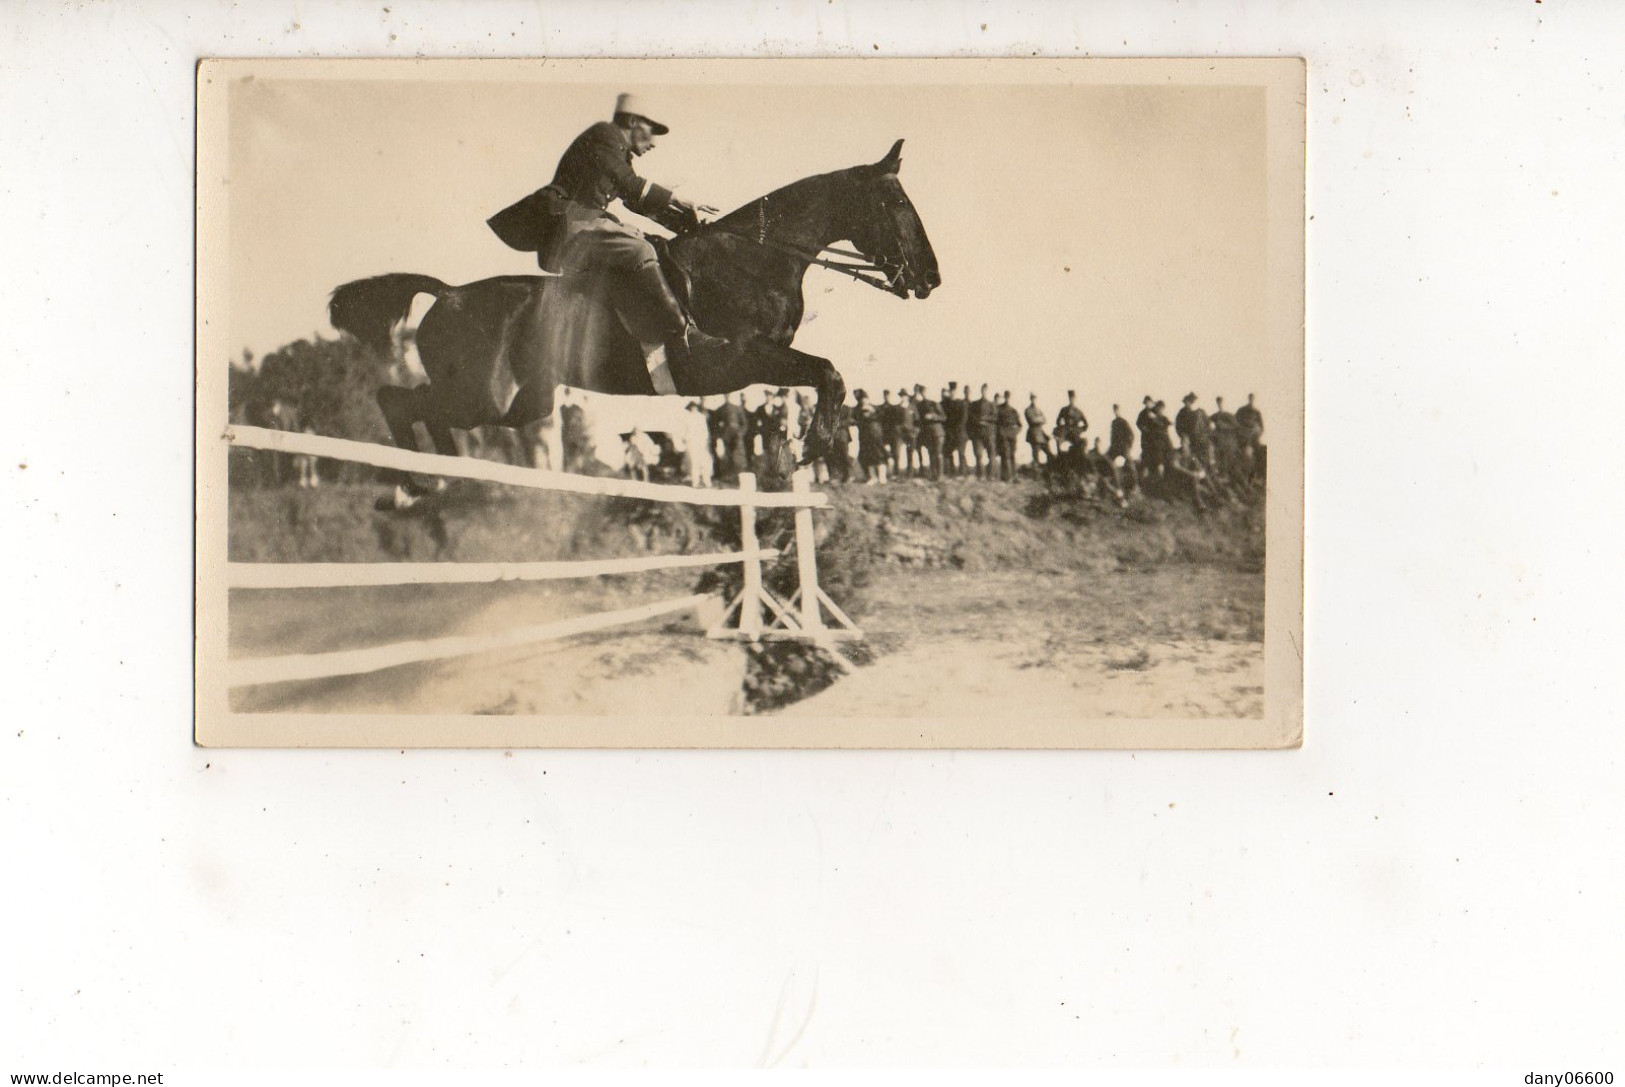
pixel 369 308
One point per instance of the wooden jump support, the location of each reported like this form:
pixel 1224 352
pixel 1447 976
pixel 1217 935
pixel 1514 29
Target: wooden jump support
pixel 760 615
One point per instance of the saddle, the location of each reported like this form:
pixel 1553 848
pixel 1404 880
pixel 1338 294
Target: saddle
pixel 677 276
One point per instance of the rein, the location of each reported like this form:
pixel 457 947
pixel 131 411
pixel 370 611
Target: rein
pixel 893 272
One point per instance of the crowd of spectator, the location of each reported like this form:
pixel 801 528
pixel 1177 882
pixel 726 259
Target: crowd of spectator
pixel 909 435
pixel 1196 455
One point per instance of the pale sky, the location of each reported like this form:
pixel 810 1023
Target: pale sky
pixel 1108 238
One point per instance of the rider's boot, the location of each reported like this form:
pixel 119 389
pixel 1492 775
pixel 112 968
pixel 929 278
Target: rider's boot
pixel 681 336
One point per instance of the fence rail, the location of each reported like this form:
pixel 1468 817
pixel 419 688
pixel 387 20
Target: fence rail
pixel 333 575
pixel 353 662
pixel 752 605
pixel 435 464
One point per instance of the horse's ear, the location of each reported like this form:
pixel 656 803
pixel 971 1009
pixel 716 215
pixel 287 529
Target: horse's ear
pixel 893 160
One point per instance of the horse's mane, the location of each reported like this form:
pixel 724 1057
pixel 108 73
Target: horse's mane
pixel 746 215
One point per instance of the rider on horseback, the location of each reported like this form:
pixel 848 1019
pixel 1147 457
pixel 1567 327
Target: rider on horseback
pixel 568 226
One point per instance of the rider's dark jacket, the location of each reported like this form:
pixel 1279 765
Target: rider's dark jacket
pixel 595 169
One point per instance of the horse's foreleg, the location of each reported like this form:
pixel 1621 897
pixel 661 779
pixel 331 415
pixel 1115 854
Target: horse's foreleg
pixel 786 366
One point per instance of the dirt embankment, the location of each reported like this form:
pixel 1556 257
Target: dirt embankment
pixel 1102 609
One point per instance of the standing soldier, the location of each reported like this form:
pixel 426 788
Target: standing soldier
pixel 1070 424
pixel 733 428
pixel 1185 422
pixel 574 434
pixel 1121 451
pixel 908 434
pixel 954 409
pixel 755 429
pixel 932 433
pixel 983 421
pixel 838 460
pixel 1226 440
pixel 1193 428
pixel 1159 448
pixel 697 445
pixel 1009 432
pixel 1252 432
pixel 1145 426
pixel 798 422
pixel 776 431
pixel 1037 436
pixel 1202 439
pixel 891 418
pixel 871 439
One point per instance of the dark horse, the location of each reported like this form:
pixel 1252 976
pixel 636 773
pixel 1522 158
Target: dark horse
pixel 496 350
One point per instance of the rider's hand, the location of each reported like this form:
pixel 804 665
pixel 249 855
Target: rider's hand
pixel 696 213
pixel 686 213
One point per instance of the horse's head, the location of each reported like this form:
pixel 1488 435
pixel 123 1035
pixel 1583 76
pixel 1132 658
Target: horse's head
pixel 880 220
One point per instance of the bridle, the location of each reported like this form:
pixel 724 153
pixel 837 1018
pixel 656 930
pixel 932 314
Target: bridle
pixel 894 270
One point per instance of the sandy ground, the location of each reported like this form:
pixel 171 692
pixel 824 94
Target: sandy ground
pixel 1165 643
pixel 1159 679
pixel 662 666
pixel 1170 642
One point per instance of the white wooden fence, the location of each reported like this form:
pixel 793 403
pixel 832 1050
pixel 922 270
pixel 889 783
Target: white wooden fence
pixel 755 613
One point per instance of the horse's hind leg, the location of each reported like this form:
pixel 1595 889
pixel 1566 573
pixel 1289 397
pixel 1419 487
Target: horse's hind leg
pixel 402 408
pixel 533 401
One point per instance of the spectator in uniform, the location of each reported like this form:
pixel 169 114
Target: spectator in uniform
pixel 1070 423
pixel 1009 432
pixel 1122 439
pixel 983 421
pixel 697 445
pixel 575 433
pixel 932 433
pixel 871 439
pixel 908 435
pixel 799 421
pixel 1226 441
pixel 1037 436
pixel 838 460
pixel 954 409
pixel 1143 423
pixel 891 418
pixel 776 424
pixel 733 429
pixel 1158 450
pixel 1185 422
pixel 1252 433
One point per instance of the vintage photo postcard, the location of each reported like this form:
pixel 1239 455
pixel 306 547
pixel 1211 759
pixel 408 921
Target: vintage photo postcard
pixel 801 403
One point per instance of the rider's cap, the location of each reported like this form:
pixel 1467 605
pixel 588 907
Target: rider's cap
pixel 631 103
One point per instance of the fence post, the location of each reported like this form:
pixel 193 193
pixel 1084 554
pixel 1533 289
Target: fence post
pixel 812 617
pixel 750 597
